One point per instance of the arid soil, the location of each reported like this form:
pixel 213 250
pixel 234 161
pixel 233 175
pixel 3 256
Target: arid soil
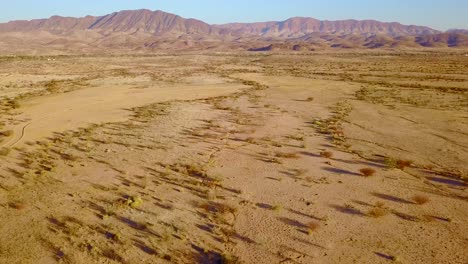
pixel 335 157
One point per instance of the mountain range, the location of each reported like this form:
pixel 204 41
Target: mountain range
pixel 146 30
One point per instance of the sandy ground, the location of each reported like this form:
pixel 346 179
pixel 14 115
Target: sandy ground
pixel 109 101
pixel 325 158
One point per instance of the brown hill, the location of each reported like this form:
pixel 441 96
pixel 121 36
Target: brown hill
pixel 145 30
pixel 146 21
pixel 458 31
pixel 157 23
pixel 300 26
pixel 443 39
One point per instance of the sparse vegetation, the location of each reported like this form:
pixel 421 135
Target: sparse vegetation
pixel 6 133
pixel 287 155
pixel 181 181
pixel 4 151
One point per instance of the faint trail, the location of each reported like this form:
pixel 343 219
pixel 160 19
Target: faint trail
pixel 12 142
pixel 23 133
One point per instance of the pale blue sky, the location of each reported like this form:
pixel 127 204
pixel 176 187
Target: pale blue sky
pixel 439 14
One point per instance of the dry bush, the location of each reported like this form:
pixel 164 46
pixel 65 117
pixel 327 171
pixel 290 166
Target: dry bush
pixel 251 140
pixel 276 144
pixel 310 99
pixel 17 205
pixel 286 155
pixel 390 162
pixel 367 172
pixel 326 154
pixel 52 86
pixel 377 212
pixel 296 137
pixel 420 199
pixel 379 204
pixel 6 133
pixel 277 208
pixel 311 227
pixel 401 164
pixel 218 208
pixel 300 172
pixel 4 151
pixel 134 201
pixel 14 103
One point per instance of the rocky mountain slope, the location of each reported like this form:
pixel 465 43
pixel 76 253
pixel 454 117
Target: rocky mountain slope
pixel 143 30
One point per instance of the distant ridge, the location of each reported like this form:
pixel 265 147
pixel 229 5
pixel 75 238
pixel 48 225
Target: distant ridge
pixel 143 30
pixel 301 26
pixel 458 31
pixel 159 22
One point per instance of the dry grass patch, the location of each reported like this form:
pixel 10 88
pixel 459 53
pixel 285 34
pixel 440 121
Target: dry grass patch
pixel 14 103
pixel 6 133
pixel 251 140
pixel 218 210
pixel 420 199
pixel 296 137
pixel 287 155
pixel 377 212
pixel 326 154
pixel 312 227
pixel 277 208
pixel 17 205
pixel 4 151
pixel 401 164
pixel 134 201
pixel 367 172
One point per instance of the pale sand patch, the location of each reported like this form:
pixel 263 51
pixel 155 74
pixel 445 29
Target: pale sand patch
pixel 42 116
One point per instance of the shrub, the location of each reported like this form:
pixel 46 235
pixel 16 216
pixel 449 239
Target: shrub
pixel 134 202
pixel 311 227
pixel 401 164
pixel 7 133
pixel 52 86
pixel 277 208
pixel 420 199
pixel 15 104
pixel 4 151
pixel 390 162
pixel 17 205
pixel 367 172
pixel 286 155
pixel 377 212
pixel 326 154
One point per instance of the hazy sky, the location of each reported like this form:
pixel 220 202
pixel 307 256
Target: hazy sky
pixel 439 14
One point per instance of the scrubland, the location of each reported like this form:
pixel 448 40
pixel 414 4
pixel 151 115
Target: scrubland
pixel 338 157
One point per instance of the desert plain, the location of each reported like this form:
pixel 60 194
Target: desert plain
pixel 349 156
